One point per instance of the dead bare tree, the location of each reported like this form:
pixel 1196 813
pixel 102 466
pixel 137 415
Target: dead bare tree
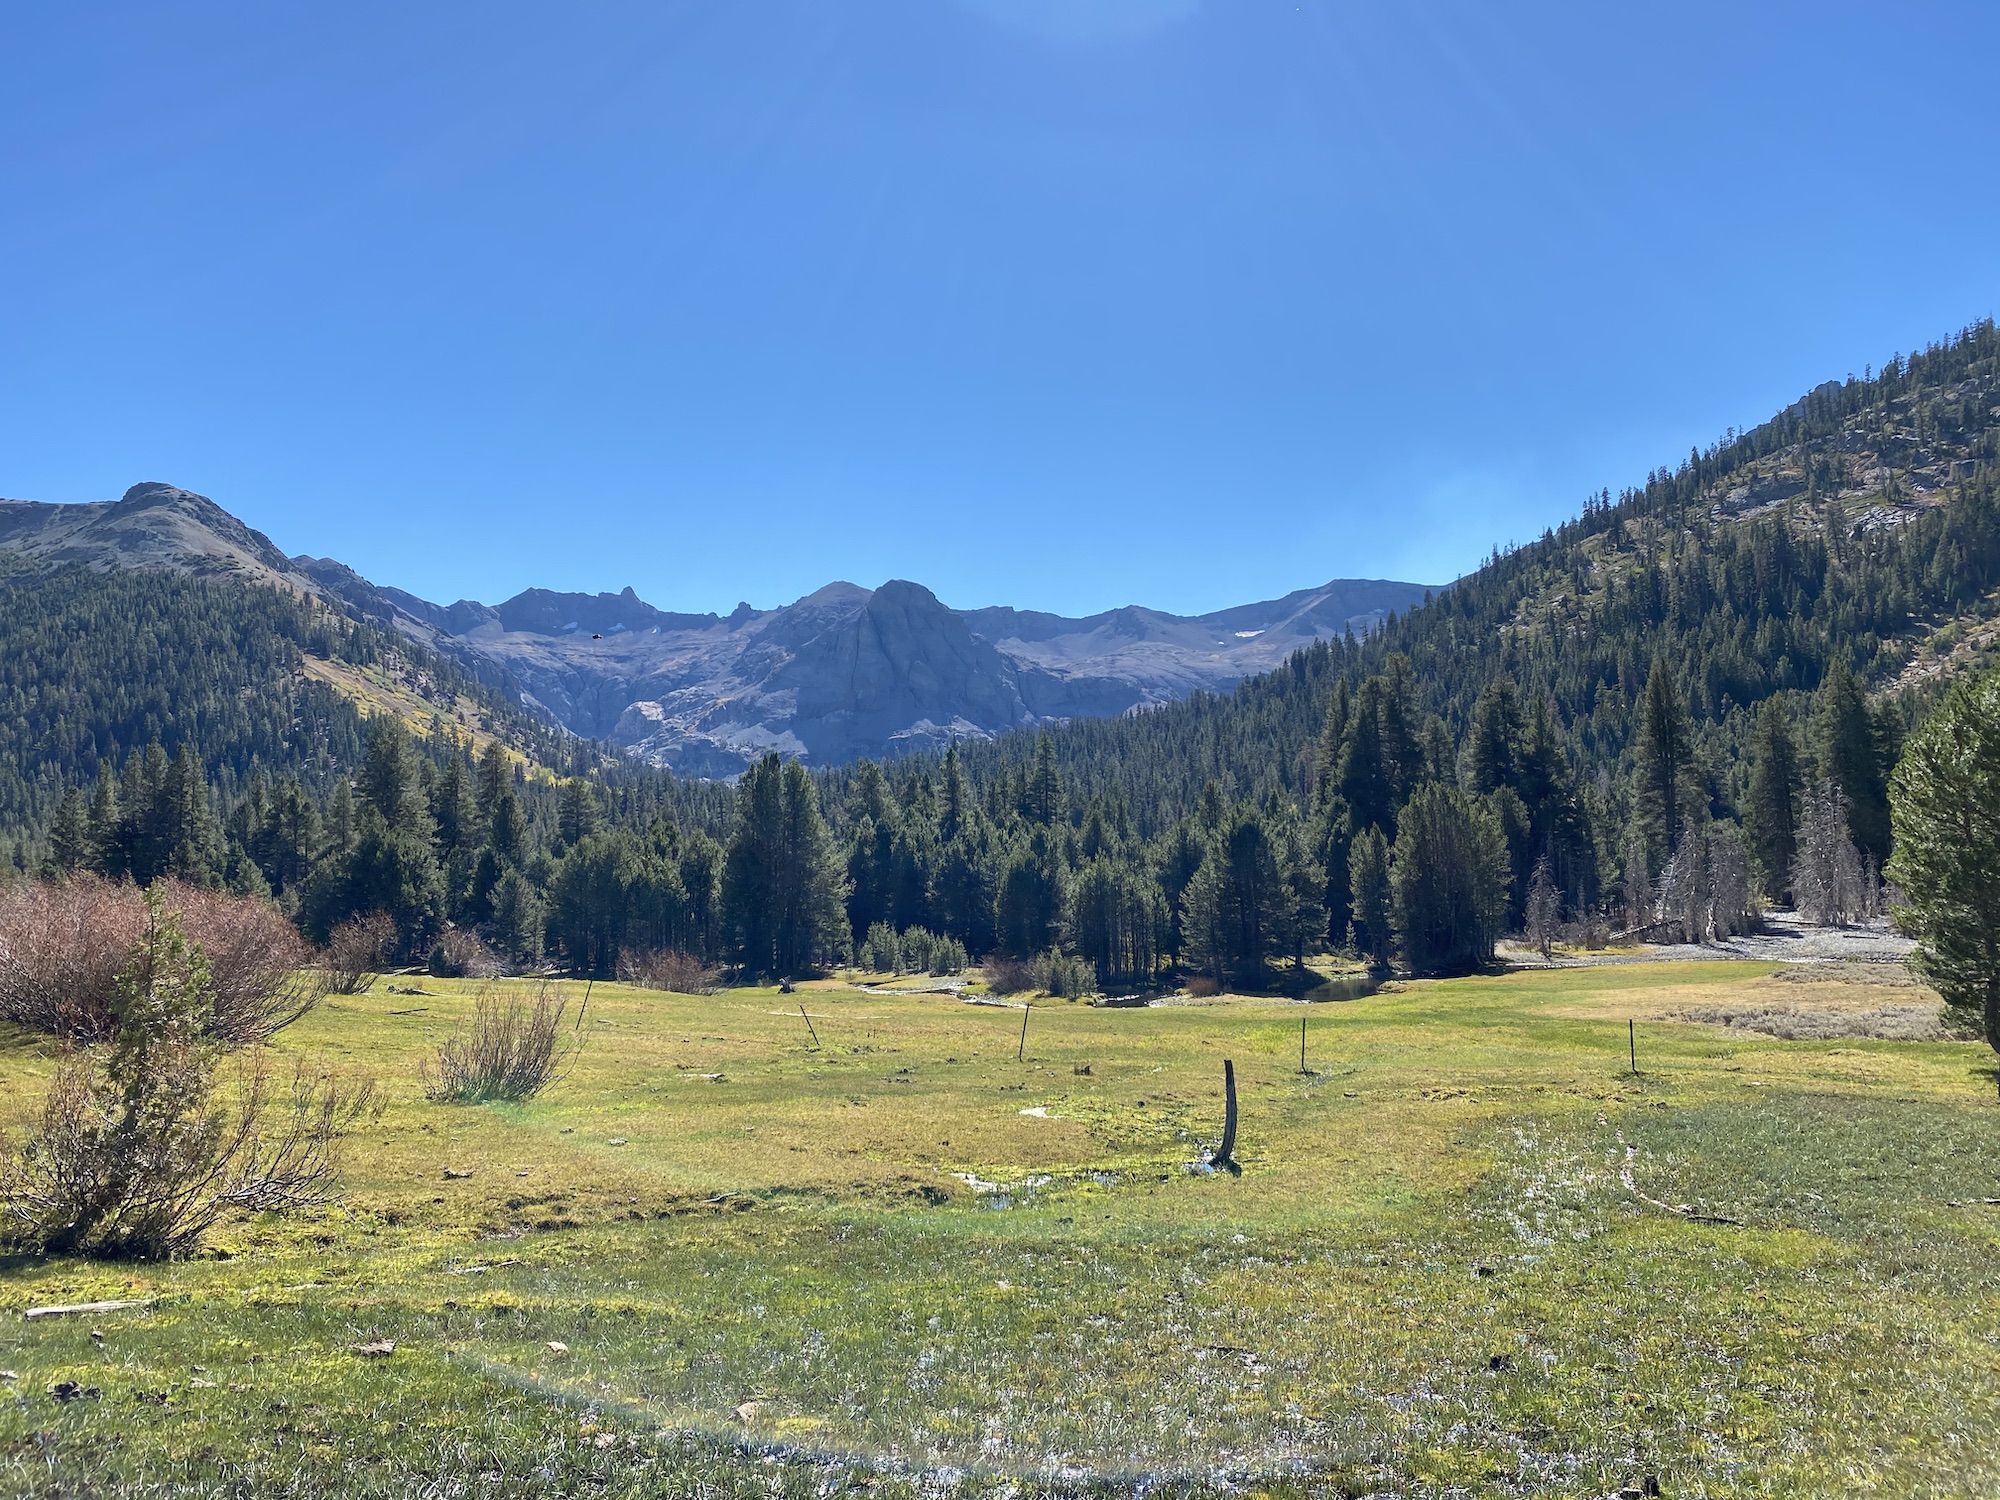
pixel 1827 877
pixel 1544 913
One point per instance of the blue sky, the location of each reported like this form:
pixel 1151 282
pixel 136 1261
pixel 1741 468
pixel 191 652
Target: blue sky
pixel 1057 303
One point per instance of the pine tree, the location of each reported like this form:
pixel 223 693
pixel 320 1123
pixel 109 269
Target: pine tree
pixel 1772 808
pixel 1492 743
pixel 105 857
pixel 70 844
pixel 784 887
pixel 1044 797
pixel 188 834
pixel 1373 936
pixel 1241 897
pixel 388 780
pixel 1365 782
pixel 1448 878
pixel 1663 764
pixel 579 815
pixel 1850 754
pixel 1945 796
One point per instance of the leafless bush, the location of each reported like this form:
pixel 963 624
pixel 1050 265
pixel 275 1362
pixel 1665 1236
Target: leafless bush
pixel 61 949
pixel 357 950
pixel 1202 986
pixel 511 1050
pixel 1009 976
pixel 1590 933
pixel 671 969
pixel 459 954
pixel 262 970
pixel 64 943
pixel 135 1157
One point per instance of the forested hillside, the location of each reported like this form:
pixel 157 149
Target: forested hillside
pixel 1685 700
pixel 1861 525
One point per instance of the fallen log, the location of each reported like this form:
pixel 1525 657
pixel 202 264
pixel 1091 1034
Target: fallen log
pixel 70 1309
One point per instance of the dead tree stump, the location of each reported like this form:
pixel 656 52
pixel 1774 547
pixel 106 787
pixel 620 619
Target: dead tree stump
pixel 1224 1159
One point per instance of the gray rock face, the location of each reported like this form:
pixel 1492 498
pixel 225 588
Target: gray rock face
pixel 842 673
pixel 848 672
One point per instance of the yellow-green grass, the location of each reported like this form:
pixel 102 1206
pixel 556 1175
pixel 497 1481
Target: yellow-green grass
pixel 1433 1275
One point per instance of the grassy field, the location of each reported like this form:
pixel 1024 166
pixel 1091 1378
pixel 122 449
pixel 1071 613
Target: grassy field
pixel 1470 1253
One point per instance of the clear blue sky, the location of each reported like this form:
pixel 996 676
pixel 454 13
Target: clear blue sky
pixel 1059 303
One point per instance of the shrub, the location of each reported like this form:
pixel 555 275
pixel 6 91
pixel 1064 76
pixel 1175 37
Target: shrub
pixel 511 1050
pixel 459 954
pixel 1202 986
pixel 1064 975
pixel 948 957
pixel 132 1157
pixel 64 943
pixel 671 969
pixel 357 950
pixel 915 946
pixel 1009 976
pixel 881 953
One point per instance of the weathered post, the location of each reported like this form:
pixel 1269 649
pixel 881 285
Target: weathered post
pixel 1021 1052
pixel 809 1024
pixel 1302 1044
pixel 1224 1159
pixel 1632 1044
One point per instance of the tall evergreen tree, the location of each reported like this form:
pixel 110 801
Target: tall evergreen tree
pixel 1237 902
pixel 1663 770
pixel 784 887
pixel 1946 801
pixel 1373 935
pixel 1772 809
pixel 1448 880
pixel 70 844
pixel 1850 755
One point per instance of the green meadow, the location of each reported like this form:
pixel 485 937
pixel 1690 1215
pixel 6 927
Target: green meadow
pixel 1471 1252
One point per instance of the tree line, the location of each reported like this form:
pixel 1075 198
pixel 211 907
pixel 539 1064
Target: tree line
pixel 1656 715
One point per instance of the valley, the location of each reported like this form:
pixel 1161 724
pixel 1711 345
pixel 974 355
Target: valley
pixel 1000 750
pixel 1470 1249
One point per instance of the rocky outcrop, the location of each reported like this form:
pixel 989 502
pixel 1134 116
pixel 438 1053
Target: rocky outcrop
pixel 151 526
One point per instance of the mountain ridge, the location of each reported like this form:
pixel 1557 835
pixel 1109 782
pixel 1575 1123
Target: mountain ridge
pixel 841 673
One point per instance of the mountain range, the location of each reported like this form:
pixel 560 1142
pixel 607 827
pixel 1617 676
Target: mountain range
pixel 843 673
